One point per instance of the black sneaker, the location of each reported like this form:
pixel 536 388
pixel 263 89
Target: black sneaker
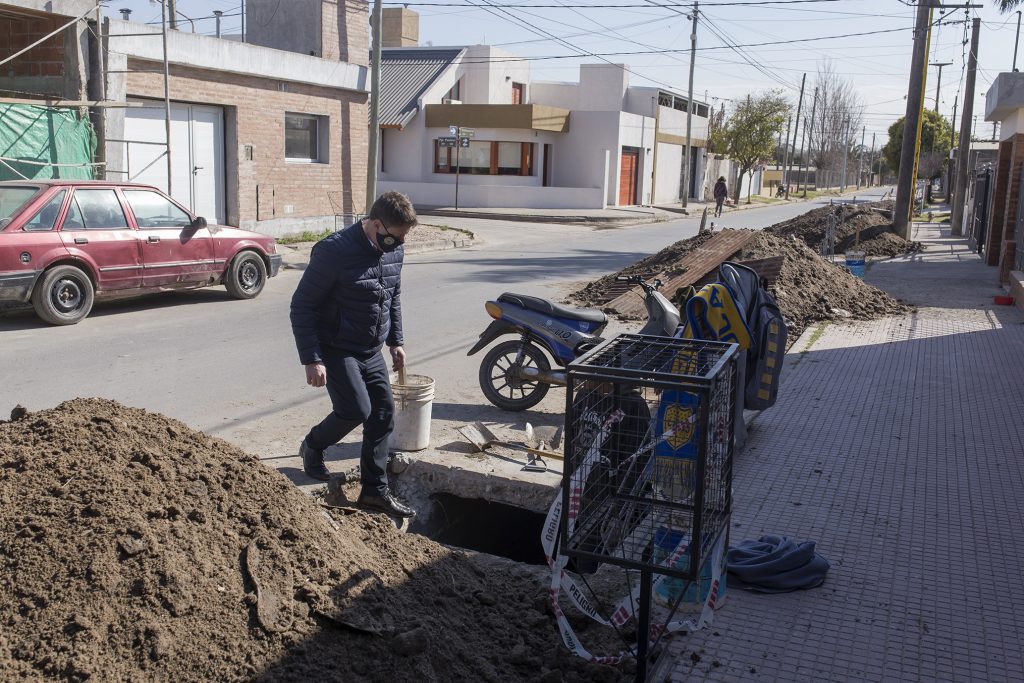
pixel 313 462
pixel 387 504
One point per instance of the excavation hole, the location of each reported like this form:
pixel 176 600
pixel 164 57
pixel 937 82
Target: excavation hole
pixel 484 526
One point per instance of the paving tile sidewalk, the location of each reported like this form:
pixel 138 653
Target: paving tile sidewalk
pixel 898 446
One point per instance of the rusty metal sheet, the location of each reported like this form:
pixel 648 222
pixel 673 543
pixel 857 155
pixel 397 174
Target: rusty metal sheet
pixel 767 268
pixel 691 268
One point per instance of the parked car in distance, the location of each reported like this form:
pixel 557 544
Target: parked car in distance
pixel 63 243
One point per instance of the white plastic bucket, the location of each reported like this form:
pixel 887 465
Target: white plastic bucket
pixel 413 403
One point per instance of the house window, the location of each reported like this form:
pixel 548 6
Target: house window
pixel 518 89
pixel 305 137
pixel 702 110
pixel 484 157
pixel 455 93
pixel 664 99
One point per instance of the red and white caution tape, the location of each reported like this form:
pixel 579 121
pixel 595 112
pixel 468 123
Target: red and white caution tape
pixel 630 604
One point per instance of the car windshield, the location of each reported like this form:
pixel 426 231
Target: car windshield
pixel 12 199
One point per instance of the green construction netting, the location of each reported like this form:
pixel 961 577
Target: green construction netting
pixel 33 139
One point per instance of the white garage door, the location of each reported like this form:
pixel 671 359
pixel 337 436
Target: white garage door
pixel 197 153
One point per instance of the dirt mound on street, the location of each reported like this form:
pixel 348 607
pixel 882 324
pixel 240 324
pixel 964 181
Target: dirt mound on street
pixel 887 245
pixel 134 548
pixel 810 228
pixel 810 289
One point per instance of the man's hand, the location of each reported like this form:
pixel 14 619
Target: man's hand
pixel 316 375
pixel 397 358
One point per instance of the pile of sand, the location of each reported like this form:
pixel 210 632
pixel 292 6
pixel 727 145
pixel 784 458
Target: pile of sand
pixel 134 548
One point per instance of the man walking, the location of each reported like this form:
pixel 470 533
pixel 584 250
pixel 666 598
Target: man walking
pixel 346 307
pixel 721 193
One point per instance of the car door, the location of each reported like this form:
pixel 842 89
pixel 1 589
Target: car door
pixel 96 230
pixel 173 252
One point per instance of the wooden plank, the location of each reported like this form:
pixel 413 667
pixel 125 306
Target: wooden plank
pixel 693 267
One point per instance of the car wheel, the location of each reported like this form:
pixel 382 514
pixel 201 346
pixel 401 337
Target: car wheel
pixel 246 276
pixel 63 296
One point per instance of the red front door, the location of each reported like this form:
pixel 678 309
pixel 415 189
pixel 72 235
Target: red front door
pixel 628 172
pixel 95 230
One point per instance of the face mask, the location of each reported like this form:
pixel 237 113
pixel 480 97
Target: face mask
pixel 387 242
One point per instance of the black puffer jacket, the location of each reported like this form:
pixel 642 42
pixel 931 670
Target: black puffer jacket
pixel 348 296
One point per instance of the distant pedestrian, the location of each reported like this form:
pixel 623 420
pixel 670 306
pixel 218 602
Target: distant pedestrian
pixel 346 307
pixel 721 193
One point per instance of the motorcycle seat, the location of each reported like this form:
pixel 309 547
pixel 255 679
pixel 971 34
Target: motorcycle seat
pixel 532 303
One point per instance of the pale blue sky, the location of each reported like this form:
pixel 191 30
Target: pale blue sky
pixel 876 64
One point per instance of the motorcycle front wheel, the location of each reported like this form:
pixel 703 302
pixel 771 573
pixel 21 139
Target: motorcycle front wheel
pixel 501 382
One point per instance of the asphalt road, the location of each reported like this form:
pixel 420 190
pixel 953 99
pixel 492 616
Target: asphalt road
pixel 229 367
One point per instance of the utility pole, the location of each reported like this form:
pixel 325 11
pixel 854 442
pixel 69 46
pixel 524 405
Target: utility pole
pixel 871 163
pixel 810 138
pixel 1016 42
pixel 963 152
pixel 799 106
pixel 689 110
pixel 218 14
pixel 954 159
pixel 860 159
pixel 167 97
pixel 785 152
pixel 371 161
pixel 846 154
pixel 911 122
pixel 938 82
pixel 172 14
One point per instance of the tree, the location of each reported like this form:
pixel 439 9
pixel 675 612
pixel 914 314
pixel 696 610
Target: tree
pixel 716 132
pixel 936 141
pixel 750 131
pixel 1007 6
pixel 838 116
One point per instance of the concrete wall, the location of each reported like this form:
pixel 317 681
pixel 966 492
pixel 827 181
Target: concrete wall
pixel 497 196
pixel 488 80
pixel 205 52
pixel 298 29
pixel 602 87
pixel 332 29
pixel 564 95
pixel 670 162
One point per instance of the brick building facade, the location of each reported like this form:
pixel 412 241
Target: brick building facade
pixel 269 134
pixel 1004 243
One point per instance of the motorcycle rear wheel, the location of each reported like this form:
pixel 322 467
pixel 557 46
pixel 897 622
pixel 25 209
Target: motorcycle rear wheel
pixel 499 379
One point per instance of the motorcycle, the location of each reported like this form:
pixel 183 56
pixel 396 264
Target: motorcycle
pixel 516 374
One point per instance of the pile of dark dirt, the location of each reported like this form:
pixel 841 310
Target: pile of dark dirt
pixel 810 289
pixel 134 548
pixel 872 220
pixel 887 245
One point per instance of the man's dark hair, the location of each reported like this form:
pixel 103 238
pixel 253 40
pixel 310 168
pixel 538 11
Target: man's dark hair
pixel 395 210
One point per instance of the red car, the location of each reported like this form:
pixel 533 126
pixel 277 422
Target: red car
pixel 63 243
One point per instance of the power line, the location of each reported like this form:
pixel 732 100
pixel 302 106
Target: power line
pixel 751 3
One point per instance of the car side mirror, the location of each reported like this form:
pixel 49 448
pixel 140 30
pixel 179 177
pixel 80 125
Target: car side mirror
pixel 197 223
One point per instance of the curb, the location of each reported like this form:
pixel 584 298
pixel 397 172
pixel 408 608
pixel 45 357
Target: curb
pixel 543 218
